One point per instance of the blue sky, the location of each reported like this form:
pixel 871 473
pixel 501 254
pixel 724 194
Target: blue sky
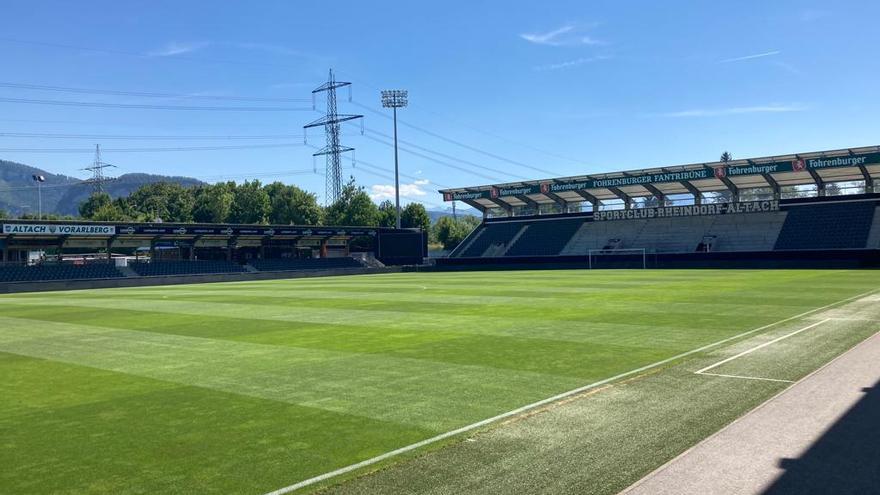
pixel 506 90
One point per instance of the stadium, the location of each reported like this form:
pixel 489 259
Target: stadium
pixel 222 358
pixel 439 248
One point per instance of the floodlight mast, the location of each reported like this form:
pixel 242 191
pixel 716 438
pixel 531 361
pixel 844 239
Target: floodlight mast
pixel 394 99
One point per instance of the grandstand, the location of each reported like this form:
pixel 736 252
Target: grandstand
pixel 733 211
pixel 35 251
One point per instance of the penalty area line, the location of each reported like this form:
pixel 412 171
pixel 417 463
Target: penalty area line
pixel 747 377
pixel 543 402
pixel 757 347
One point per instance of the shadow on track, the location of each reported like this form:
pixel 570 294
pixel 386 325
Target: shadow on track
pixel 844 460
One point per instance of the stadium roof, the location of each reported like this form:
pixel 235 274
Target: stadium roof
pixel 819 168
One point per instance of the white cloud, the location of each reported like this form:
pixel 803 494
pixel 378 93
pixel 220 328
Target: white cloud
pixel 566 35
pixel 716 112
pixel 380 192
pixel 178 48
pixel 750 57
pixel 572 63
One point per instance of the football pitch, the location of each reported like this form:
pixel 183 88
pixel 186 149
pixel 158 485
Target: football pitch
pixel 256 386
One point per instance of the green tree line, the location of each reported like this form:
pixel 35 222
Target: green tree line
pixel 252 202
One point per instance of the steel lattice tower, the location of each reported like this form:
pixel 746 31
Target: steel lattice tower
pixel 331 122
pixel 97 169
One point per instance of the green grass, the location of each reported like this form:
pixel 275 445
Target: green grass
pixel 249 387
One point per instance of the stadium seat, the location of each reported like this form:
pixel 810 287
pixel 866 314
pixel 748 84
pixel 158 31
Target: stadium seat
pixel 293 264
pixel 50 272
pixel 827 226
pixel 165 268
pixel 545 238
pixel 491 234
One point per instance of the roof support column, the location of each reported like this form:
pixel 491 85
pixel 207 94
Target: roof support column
pixel 774 186
pixel 529 202
pixel 593 200
pixel 61 241
pixel 110 248
pixel 869 181
pixel 559 201
pixel 734 191
pixel 698 196
pixel 477 206
pixel 657 193
pixel 820 184
pixel 627 200
pixel 504 206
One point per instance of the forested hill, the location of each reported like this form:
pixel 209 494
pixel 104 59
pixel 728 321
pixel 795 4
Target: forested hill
pixel 63 194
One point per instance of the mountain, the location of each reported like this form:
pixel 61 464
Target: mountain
pixel 435 215
pixel 63 194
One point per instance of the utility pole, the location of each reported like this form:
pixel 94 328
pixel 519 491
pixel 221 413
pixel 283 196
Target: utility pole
pixel 97 169
pixel 331 121
pixel 39 179
pixel 394 99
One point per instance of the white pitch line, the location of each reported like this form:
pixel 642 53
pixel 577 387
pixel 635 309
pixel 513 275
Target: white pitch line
pixel 479 424
pixel 747 377
pixel 765 344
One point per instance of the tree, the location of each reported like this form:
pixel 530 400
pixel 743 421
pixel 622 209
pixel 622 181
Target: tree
pixel 725 196
pixel 250 204
pixel 354 207
pixel 414 216
pixel 3 214
pixel 290 205
pixel 168 201
pixel 95 202
pixel 213 203
pixel 387 214
pixel 451 232
pixel 110 212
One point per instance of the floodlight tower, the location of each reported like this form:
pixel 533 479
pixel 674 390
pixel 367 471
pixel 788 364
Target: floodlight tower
pixel 39 179
pixel 394 99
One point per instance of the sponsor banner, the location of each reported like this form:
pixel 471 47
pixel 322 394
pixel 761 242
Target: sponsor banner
pixel 236 231
pixel 687 211
pixel 175 230
pixel 718 172
pixel 51 229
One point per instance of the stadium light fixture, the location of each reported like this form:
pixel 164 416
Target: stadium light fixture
pixel 394 99
pixel 39 179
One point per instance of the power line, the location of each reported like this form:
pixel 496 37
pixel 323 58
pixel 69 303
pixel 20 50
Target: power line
pixel 463 145
pixel 445 164
pixel 66 103
pixel 144 136
pixel 65 89
pixel 483 131
pixel 449 157
pixel 149 150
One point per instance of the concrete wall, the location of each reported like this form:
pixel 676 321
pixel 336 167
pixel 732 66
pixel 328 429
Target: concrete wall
pixel 57 285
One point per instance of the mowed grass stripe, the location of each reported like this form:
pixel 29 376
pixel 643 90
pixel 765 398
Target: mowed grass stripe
pixel 86 430
pixel 688 315
pixel 362 338
pixel 378 387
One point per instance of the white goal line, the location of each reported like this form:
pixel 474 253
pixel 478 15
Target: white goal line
pixel 543 402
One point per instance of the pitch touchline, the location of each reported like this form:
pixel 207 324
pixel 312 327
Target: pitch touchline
pixel 479 424
pixel 765 344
